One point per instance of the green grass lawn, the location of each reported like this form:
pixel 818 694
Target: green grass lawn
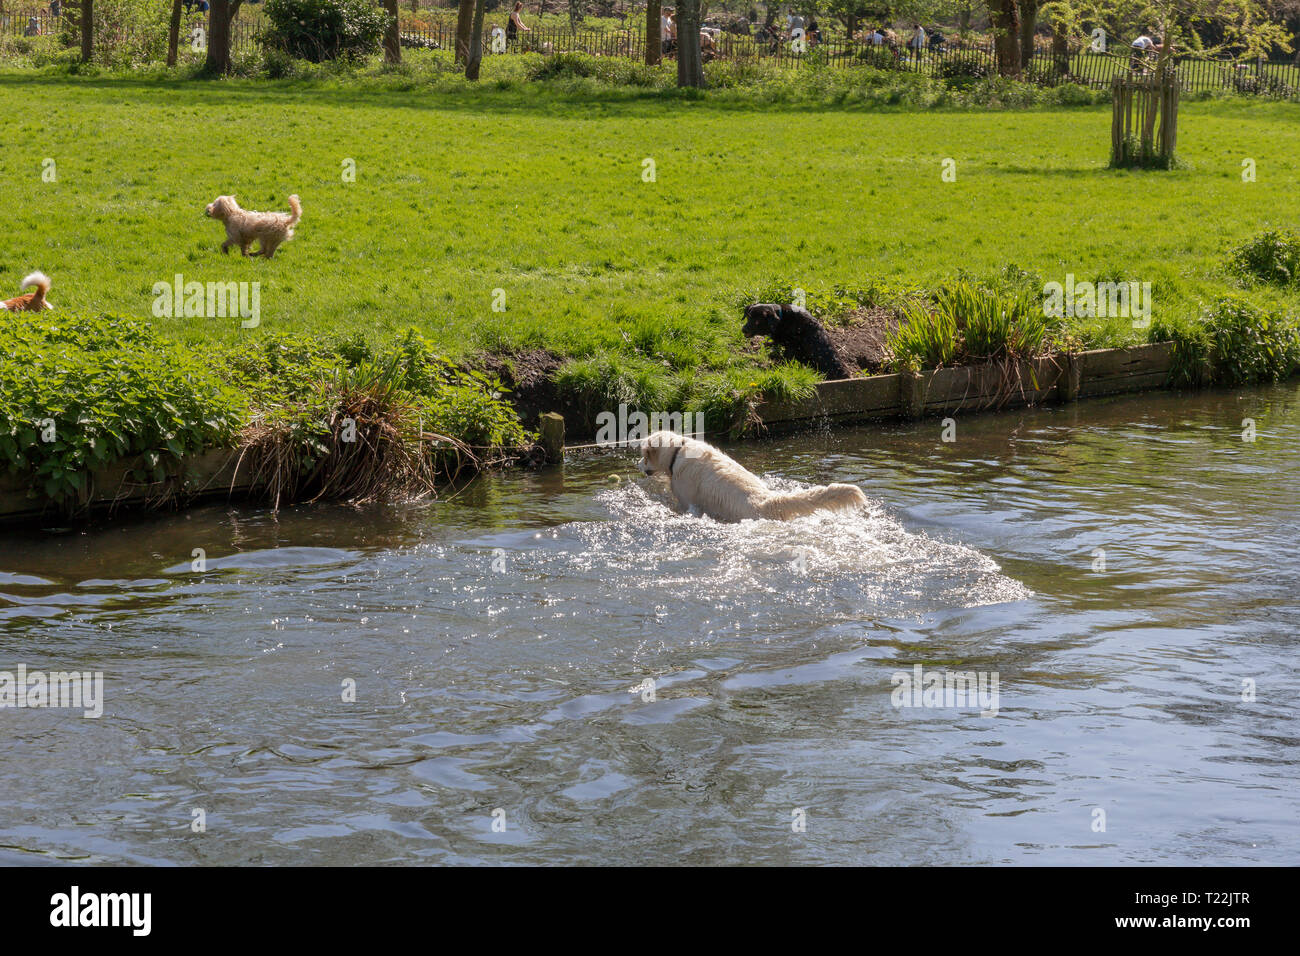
pixel 541 195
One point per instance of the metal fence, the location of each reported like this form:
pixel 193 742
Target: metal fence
pixel 1274 78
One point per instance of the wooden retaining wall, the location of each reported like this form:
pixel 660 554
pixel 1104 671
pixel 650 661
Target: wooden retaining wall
pixel 1062 378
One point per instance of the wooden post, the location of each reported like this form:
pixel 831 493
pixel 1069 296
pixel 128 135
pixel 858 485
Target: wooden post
pixel 553 437
pixel 911 394
pixel 1073 378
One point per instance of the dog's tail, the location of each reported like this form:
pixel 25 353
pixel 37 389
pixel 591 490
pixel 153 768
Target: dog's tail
pixel 42 283
pixel 296 206
pixel 796 503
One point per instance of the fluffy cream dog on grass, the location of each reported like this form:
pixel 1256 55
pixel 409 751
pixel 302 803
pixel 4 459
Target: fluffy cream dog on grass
pixel 705 481
pixel 270 229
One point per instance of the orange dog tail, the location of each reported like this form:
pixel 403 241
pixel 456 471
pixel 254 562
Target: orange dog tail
pixel 296 206
pixel 42 283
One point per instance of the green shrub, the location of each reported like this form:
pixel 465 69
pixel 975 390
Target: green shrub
pixel 83 394
pixel 1272 256
pixel 1231 342
pixel 318 30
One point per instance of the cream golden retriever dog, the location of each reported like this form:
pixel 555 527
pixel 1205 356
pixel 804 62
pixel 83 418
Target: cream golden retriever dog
pixel 706 481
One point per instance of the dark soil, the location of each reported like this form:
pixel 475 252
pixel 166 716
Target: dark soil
pixel 859 339
pixel 528 376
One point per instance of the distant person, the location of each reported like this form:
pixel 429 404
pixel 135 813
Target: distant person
pixel 56 9
pixel 203 6
pixel 33 28
pixel 1142 47
pixel 917 43
pixel 515 24
pixel 667 31
pixel 814 34
pixel 876 38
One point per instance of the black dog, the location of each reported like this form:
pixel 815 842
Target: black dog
pixel 800 336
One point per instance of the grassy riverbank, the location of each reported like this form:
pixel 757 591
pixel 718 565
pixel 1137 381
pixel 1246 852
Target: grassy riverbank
pixel 607 222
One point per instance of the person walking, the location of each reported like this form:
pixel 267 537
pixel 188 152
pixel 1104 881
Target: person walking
pixel 515 24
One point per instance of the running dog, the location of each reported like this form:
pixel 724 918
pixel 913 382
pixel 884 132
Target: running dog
pixel 705 481
pixel 270 229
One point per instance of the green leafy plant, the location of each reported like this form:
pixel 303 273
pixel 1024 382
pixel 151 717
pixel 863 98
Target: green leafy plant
pixel 79 395
pixel 318 30
pixel 1272 256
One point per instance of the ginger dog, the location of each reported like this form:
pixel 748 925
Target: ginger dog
pixel 32 301
pixel 706 481
pixel 270 229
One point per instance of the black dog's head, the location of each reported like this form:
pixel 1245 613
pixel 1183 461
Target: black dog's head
pixel 762 319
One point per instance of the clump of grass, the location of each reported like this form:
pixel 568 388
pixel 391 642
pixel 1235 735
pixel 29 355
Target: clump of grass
pixel 1272 256
pixel 968 323
pixel 606 380
pixel 729 400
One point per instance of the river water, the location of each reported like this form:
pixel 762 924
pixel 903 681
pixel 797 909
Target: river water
pixel 500 642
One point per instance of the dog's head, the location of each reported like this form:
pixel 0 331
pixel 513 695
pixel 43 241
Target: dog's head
pixel 762 319
pixel 222 207
pixel 659 452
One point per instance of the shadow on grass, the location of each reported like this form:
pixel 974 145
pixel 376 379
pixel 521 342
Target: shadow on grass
pixel 450 93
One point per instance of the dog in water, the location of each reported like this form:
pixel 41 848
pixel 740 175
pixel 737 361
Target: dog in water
pixel 270 229
pixel 705 481
pixel 32 301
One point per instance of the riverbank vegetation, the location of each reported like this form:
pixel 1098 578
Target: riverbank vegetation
pixel 603 232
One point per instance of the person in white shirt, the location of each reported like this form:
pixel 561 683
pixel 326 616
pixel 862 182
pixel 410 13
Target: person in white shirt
pixel 1142 46
pixel 917 43
pixel 666 28
pixel 876 38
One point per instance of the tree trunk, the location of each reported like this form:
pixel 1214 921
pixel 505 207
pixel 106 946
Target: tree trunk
pixel 654 40
pixel 1028 23
pixel 1004 16
pixel 220 16
pixel 1060 51
pixel 174 33
pixel 690 62
pixel 464 22
pixel 87 30
pixel 475 61
pixel 393 35
pixel 963 20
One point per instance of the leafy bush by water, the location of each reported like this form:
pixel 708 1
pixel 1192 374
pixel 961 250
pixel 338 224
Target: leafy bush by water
pixel 1272 256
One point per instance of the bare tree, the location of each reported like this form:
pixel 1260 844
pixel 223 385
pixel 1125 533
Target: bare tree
pixel 475 60
pixel 1004 15
pixel 654 41
pixel 690 62
pixel 1028 24
pixel 87 30
pixel 220 17
pixel 464 21
pixel 392 35
pixel 174 33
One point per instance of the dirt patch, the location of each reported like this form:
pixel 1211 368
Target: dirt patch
pixel 860 338
pixel 528 376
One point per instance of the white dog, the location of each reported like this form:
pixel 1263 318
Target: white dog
pixel 707 481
